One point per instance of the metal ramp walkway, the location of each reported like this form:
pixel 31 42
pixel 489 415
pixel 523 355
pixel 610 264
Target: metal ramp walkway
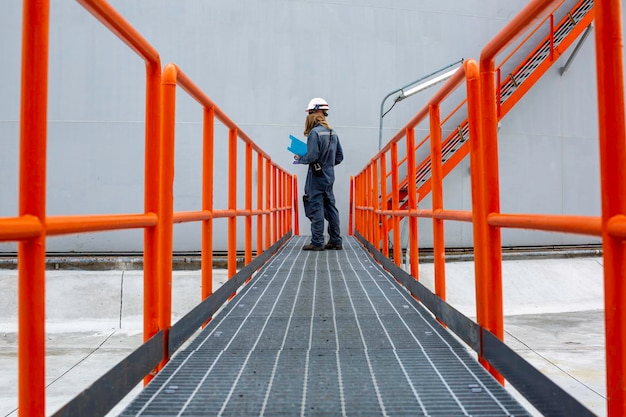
pixel 321 334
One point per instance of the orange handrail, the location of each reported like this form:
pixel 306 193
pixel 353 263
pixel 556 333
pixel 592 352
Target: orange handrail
pixel 610 86
pixel 19 228
pixel 32 226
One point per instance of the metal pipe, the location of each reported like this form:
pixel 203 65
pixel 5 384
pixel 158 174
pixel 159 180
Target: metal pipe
pixel 412 206
pixel 437 200
pixel 32 202
pixel 248 205
pixel 19 228
pixel 208 144
pixel 232 202
pixel 612 135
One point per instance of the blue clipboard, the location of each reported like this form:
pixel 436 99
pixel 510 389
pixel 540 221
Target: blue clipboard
pixel 297 146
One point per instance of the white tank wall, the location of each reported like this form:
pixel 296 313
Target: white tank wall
pixel 261 62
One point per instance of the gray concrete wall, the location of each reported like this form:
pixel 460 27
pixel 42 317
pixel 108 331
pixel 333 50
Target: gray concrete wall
pixel 261 62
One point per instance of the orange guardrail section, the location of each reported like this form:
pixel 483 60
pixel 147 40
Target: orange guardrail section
pixel 274 187
pixel 374 220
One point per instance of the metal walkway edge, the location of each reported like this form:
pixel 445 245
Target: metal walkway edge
pixel 324 334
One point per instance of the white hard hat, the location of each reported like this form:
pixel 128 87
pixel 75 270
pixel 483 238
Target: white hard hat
pixel 317 103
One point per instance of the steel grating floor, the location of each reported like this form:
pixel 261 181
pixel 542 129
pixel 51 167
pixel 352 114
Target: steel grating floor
pixel 324 334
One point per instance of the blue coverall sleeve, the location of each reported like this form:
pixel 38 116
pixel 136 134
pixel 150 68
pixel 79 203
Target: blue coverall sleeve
pixel 338 153
pixel 312 149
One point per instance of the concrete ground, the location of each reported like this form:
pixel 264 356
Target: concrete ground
pixel 553 318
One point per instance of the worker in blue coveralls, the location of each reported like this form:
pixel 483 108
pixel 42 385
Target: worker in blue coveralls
pixel 323 153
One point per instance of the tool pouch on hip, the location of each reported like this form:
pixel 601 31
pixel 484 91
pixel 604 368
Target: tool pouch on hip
pixel 316 168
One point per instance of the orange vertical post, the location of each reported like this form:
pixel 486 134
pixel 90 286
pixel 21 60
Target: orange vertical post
pixel 360 203
pixel 290 190
pixel 232 202
pixel 207 201
pixel 376 205
pixel 268 205
pixel 612 134
pixel 281 203
pixel 32 201
pixel 372 190
pixel 278 214
pixel 491 204
pixel 552 37
pixel 367 195
pixel 367 202
pixel 361 194
pixel 248 202
pixel 259 205
pixel 296 214
pixel 395 204
pixel 274 204
pixel 383 193
pixel 290 225
pixel 151 197
pixel 437 201
pixel 166 204
pixel 357 203
pixel 498 91
pixel 412 190
pixel 479 216
pixel 351 208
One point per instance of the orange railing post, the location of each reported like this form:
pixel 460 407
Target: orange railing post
pixel 612 132
pixel 351 208
pixel 383 199
pixel 368 228
pixel 232 202
pixel 395 205
pixel 479 215
pixel 248 197
pixel 207 201
pixel 411 173
pixel 166 206
pixel 268 204
pixel 259 205
pixel 376 205
pixel 281 203
pixel 32 192
pixel 274 204
pixel 296 215
pixel 439 251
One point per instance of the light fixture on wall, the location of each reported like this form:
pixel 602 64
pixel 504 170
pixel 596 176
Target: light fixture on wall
pixel 426 84
pixel 415 87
